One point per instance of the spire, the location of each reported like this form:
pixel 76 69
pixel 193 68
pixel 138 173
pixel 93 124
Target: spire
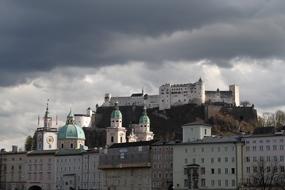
pixel 200 79
pixel 47 118
pixel 47 112
pixel 70 118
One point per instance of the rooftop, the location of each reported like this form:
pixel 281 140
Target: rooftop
pixel 130 144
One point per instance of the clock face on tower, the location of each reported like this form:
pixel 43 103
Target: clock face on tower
pixel 50 139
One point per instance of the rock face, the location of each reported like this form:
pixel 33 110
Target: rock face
pixel 166 124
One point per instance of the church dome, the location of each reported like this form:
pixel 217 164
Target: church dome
pixel 144 119
pixel 70 130
pixel 116 113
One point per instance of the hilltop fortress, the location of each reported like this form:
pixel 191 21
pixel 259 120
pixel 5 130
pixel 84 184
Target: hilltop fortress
pixel 177 94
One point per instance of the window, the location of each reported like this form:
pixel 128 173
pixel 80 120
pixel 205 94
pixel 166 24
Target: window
pixel 219 159
pixel 254 169
pixel 213 171
pixel 203 182
pixel 203 171
pixel 274 147
pixel 254 159
pixel 202 160
pixel 121 139
pixel 112 139
pixel 219 170
pixel 254 148
pixel 247 148
pixel 186 160
pixel 226 170
pixel 205 131
pixel 261 148
pixel 185 183
pixel 233 183
pixel 281 158
pixel 212 160
pixel 226 159
pixel 282 169
pixel 281 147
pixel 213 183
pixel 71 145
pixel 61 145
pixel 233 159
pixel 267 147
pixel 226 183
pixel 233 170
pixel 247 159
pixel 219 183
pixel 247 169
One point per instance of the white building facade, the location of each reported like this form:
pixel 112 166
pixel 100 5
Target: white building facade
pixel 177 94
pixel 266 152
pixel 207 163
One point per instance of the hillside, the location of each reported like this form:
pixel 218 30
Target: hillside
pixel 166 124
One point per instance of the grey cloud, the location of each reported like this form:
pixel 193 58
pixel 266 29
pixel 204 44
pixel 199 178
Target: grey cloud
pixel 39 36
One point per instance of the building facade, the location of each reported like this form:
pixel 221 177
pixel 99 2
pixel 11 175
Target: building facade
pixel 162 166
pixel 207 162
pixel 264 159
pixel 127 166
pixel 12 170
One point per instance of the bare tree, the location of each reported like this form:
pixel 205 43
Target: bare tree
pixel 267 176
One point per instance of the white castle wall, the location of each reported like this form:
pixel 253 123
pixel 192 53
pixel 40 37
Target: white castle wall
pixel 178 94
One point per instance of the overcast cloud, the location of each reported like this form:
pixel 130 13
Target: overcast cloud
pixel 74 51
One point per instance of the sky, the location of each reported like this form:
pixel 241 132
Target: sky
pixel 73 52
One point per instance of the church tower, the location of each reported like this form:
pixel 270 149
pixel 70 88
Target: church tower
pixel 142 130
pixel 46 136
pixel 115 133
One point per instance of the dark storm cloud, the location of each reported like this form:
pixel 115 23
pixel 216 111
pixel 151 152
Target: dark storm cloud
pixel 40 35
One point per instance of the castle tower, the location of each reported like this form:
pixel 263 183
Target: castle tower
pixel 71 136
pixel 142 130
pixel 46 136
pixel 201 89
pixel 115 133
pixel 235 92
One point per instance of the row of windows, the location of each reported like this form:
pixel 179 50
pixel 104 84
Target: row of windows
pixel 162 166
pixel 214 171
pixel 263 158
pixel 262 148
pixel 264 141
pixel 213 160
pixel 213 149
pixel 214 183
pixel 266 169
pixel 162 175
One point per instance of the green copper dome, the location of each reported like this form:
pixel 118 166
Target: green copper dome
pixel 116 113
pixel 70 130
pixel 144 119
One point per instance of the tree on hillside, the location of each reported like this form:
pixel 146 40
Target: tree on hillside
pixel 28 143
pixel 276 119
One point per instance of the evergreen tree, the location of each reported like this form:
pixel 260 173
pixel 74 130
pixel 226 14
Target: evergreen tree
pixel 29 143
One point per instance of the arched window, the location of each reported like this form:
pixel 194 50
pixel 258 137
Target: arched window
pixel 121 139
pixel 62 145
pixel 71 145
pixel 112 139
